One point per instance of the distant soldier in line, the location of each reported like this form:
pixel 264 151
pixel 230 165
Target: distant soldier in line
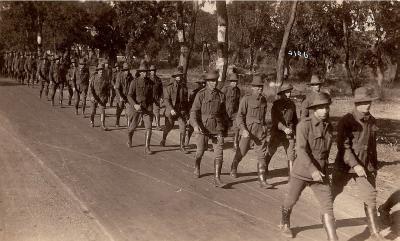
pixel 208 118
pixel 57 77
pixel 21 63
pixel 100 89
pixel 314 141
pixel 122 83
pixel 141 99
pixel 25 75
pixel 284 122
pixel 80 83
pixel 44 69
pixel 315 85
pixel 356 159
pixel 71 71
pixel 251 120
pixel 176 108
pixel 116 72
pixel 66 64
pixel 232 94
pixel 158 95
pixel 201 83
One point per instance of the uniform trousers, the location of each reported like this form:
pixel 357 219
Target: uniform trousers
pixel 54 87
pixel 170 121
pixel 81 90
pixel 202 145
pixel 135 116
pixel 258 137
pixel 321 190
pixel 366 185
pixel 276 141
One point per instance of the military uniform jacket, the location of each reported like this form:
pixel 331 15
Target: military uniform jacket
pixel 209 111
pixel 232 100
pixel 122 83
pixel 313 143
pixel 356 142
pixel 21 64
pixel 173 93
pixel 304 112
pixel 252 110
pixel 55 73
pixel 157 90
pixel 100 88
pixel 192 96
pixel 81 77
pixel 141 93
pixel 44 70
pixel 283 115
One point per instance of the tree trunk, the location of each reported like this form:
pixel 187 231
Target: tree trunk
pixel 181 36
pixel 285 40
pixel 350 77
pixel 222 36
pixel 192 33
pixel 203 50
pixel 397 74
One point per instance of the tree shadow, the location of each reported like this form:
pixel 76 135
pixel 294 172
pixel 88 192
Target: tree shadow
pixel 384 163
pixel 2 83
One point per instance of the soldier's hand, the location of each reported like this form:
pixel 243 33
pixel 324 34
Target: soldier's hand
pixel 197 129
pixel 288 131
pixel 317 176
pixel 245 134
pixel 360 171
pixel 121 99
pixel 73 89
pixel 137 107
pixel 173 112
pixel 92 99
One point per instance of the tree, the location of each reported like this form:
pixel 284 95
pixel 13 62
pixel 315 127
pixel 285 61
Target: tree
pixel 222 51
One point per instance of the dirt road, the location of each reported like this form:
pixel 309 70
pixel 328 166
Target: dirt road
pixel 62 180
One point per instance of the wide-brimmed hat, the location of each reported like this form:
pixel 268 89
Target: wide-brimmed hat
pixel 364 94
pixel 233 77
pixel 284 88
pixel 321 98
pixel 82 61
pixel 257 80
pixel 153 67
pixel 143 67
pixel 100 66
pixel 212 74
pixel 200 81
pixel 125 67
pixel 315 80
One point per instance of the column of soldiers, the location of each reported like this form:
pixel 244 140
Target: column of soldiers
pixel 210 114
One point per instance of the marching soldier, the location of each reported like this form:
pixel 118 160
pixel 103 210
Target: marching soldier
pixel 57 77
pixel 314 141
pixel 116 72
pixel 140 97
pixel 356 159
pixel 208 118
pixel 44 69
pixel 284 121
pixel 201 83
pixel 27 62
pixel 315 85
pixel 99 88
pixel 122 83
pixel 80 83
pixel 176 107
pixel 158 95
pixel 232 93
pixel 251 120
pixel 68 66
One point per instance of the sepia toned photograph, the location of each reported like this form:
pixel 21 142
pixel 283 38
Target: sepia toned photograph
pixel 200 120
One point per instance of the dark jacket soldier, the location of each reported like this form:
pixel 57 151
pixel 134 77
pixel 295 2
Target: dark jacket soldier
pixel 232 93
pixel 176 108
pixel 284 121
pixel 122 83
pixel 201 83
pixel 80 84
pixel 356 159
pixel 141 99
pixel 100 89
pixel 314 141
pixel 158 95
pixel 208 118
pixel 251 120
pixel 44 68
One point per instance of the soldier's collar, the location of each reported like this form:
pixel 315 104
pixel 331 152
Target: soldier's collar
pixel 361 116
pixel 316 121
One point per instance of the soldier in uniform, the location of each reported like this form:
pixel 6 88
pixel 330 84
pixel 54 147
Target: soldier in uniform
pixel 80 84
pixel 208 118
pixel 251 120
pixel 176 107
pixel 232 93
pixel 315 85
pixel 68 68
pixel 21 63
pixel 158 95
pixel 100 89
pixel 27 62
pixel 122 83
pixel 201 83
pixel 356 159
pixel 284 121
pixel 314 141
pixel 44 69
pixel 140 98
pixel 116 72
pixel 57 79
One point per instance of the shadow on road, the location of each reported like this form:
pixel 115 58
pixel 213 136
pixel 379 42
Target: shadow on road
pixel 9 84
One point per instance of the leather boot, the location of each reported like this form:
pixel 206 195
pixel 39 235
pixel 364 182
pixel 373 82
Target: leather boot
pixel 117 122
pixel 384 215
pixel 262 177
pixel 83 108
pixel 373 225
pixel 147 144
pixel 217 170
pixel 76 112
pixel 330 227
pixel 52 102
pixel 236 141
pixel 234 167
pixel 285 223
pixel 129 143
pixel 197 167
pixel 103 122
pixel 182 143
pixel 158 127
pixel 92 121
pixel 163 139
